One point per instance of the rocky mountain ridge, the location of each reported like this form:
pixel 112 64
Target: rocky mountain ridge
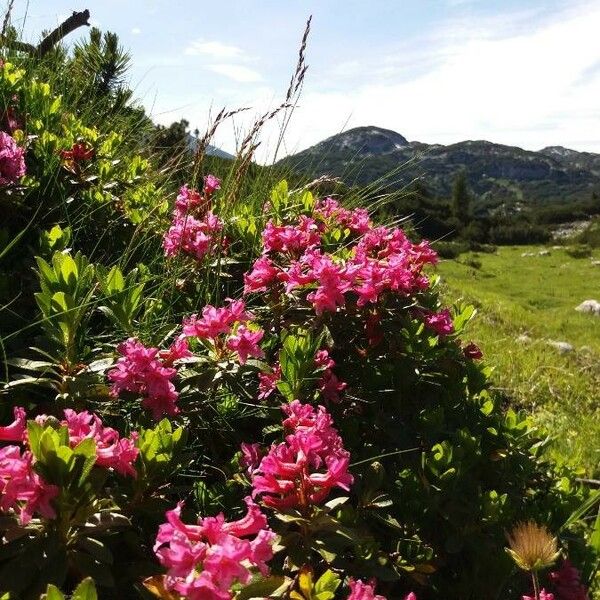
pixel 495 172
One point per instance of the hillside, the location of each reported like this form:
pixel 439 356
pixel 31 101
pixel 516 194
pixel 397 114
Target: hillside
pixel 497 173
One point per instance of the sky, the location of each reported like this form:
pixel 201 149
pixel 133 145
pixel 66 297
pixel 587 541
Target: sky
pixel 517 72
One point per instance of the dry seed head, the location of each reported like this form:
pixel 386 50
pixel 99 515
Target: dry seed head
pixel 532 546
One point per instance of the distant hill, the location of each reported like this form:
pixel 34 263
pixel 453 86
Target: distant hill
pixel 210 149
pixel 497 174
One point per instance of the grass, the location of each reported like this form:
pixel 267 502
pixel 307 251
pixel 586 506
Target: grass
pixel 535 296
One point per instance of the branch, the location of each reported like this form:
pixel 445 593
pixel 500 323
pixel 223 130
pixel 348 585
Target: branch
pixel 77 19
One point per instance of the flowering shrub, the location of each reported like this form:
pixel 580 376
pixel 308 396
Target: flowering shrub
pixel 12 162
pixel 150 382
pixel 194 229
pixel 144 371
pixel 302 471
pixel 203 561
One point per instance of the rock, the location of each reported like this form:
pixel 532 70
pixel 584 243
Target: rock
pixel 596 263
pixel 589 306
pixel 544 253
pixel 528 254
pixel 562 347
pixel 524 338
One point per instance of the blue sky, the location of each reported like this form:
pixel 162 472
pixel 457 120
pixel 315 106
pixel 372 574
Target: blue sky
pixel 525 73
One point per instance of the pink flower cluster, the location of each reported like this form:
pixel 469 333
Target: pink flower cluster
pixel 148 371
pixel 440 322
pixel 267 382
pixel 204 561
pixel 12 161
pixel 194 228
pixel 365 591
pixel 15 432
pixel 291 238
pixel 543 595
pixel 302 470
pixel 329 385
pixel 226 327
pixel 332 212
pixel 566 583
pixel 382 260
pixel 22 490
pixel 112 451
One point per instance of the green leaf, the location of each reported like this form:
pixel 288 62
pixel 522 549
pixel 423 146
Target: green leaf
pixel 86 590
pixel 53 593
pixel 263 588
pixel 582 509
pixel 326 585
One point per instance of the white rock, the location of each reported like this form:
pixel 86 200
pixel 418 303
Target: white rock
pixel 596 263
pixel 544 253
pixel 562 347
pixel 589 306
pixel 528 254
pixel 524 338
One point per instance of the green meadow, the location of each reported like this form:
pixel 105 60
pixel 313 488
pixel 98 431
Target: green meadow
pixel 524 303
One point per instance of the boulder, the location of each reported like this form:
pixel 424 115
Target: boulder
pixel 589 306
pixel 562 347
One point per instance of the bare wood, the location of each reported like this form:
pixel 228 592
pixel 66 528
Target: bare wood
pixel 76 20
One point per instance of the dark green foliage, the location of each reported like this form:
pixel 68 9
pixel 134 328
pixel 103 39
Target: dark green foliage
pixel 461 199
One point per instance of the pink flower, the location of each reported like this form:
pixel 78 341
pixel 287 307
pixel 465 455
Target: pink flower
pixel 211 184
pixel 267 382
pixel 21 488
pixel 251 455
pixel 178 350
pixel 263 274
pixel 363 591
pixel 329 385
pixel 566 583
pixel 140 370
pixel 204 561
pixel 440 322
pixel 112 451
pixel 291 238
pixel 544 595
pixel 192 236
pixel 189 201
pixel 216 321
pixel 472 351
pixel 245 343
pixel 302 470
pixel 12 161
pixel 333 281
pixel 16 430
pixel 356 220
pixel 411 596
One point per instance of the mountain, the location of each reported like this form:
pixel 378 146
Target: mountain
pixel 211 150
pixel 497 174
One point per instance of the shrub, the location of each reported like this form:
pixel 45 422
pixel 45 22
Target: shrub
pixel 287 355
pixel 579 251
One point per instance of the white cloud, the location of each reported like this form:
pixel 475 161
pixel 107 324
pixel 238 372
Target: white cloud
pixel 496 82
pixel 136 31
pixel 215 50
pixel 238 73
pixel 522 78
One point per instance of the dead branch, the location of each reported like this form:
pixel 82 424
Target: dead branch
pixel 76 20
